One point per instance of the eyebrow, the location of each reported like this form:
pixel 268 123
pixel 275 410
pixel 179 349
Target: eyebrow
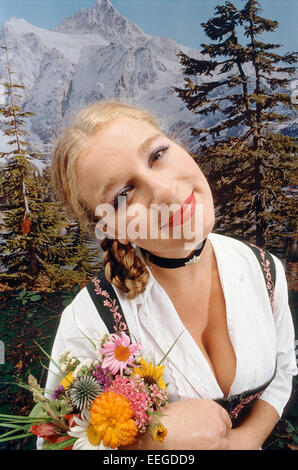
pixel 146 144
pixel 143 148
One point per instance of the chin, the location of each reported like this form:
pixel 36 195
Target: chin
pixel 208 221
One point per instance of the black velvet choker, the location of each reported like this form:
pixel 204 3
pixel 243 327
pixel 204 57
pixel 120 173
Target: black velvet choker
pixel 175 262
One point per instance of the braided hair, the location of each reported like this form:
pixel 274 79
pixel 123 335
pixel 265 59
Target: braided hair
pixel 123 268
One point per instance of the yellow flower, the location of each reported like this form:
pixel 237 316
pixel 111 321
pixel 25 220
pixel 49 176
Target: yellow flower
pixel 159 432
pixel 87 437
pixel 93 436
pixel 67 380
pixel 150 373
pixel 111 415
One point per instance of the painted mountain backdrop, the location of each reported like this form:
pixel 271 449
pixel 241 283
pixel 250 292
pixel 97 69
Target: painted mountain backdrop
pixel 95 54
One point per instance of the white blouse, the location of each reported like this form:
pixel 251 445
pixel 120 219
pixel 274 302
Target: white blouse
pixel 262 339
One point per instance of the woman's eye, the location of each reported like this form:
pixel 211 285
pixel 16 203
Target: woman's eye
pixel 157 154
pixel 119 199
pixel 122 195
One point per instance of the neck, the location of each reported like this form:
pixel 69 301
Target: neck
pixel 185 275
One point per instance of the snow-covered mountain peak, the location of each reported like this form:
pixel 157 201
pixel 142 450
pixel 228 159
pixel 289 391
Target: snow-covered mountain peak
pixel 18 25
pixel 14 21
pixel 93 55
pixel 105 20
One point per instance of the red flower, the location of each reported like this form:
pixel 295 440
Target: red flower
pixel 48 431
pixel 70 419
pixel 43 430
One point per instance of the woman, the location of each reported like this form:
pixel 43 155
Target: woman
pixel 116 154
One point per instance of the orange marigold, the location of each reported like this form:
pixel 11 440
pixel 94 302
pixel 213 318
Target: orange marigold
pixel 111 416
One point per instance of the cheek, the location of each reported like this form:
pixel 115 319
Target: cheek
pixel 134 224
pixel 200 181
pixel 187 164
pixel 139 223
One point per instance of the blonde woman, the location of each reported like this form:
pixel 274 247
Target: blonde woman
pixel 236 338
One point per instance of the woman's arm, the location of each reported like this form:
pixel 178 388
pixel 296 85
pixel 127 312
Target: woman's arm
pixel 264 414
pixel 255 429
pixel 279 390
pixel 192 424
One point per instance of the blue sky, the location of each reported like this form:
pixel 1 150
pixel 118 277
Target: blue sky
pixel 178 19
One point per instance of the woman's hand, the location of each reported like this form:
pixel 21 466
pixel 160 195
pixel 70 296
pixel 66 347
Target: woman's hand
pixel 192 424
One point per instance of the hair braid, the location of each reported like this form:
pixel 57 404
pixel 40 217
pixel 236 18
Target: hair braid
pixel 124 268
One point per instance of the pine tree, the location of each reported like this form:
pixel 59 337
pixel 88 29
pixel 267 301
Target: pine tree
pixel 17 184
pixel 231 177
pixel 72 258
pixel 242 85
pixel 34 254
pixel 65 250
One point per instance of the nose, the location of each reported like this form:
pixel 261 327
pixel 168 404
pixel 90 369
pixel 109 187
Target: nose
pixel 161 190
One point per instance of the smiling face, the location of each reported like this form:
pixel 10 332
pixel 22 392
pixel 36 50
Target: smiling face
pixel 129 164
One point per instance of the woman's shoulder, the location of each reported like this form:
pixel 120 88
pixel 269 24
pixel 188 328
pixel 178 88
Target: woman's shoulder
pixel 238 245
pixel 251 258
pixel 235 251
pixel 81 315
pixel 232 246
pixel 80 304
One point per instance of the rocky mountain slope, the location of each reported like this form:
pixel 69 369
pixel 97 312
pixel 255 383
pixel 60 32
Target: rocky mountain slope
pixel 95 54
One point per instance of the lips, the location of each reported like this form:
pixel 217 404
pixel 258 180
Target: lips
pixel 185 212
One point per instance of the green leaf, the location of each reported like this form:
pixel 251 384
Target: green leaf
pixel 49 357
pixel 290 427
pixel 59 445
pixel 87 337
pixel 163 358
pixel 35 297
pixel 12 431
pixel 66 302
pixel 19 436
pixel 76 289
pixel 38 412
pixel 23 293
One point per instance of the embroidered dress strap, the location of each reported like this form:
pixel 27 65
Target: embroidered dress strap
pixel 238 405
pixel 268 268
pixel 107 304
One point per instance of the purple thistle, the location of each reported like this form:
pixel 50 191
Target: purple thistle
pixel 102 376
pixel 59 391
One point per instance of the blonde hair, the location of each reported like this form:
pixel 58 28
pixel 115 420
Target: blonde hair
pixel 123 267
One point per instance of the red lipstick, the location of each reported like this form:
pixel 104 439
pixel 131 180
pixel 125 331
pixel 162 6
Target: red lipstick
pixel 185 212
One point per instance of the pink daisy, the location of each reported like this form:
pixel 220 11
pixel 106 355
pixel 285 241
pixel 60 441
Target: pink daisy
pixel 119 353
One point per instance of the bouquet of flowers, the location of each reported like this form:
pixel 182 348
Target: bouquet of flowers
pixel 99 404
